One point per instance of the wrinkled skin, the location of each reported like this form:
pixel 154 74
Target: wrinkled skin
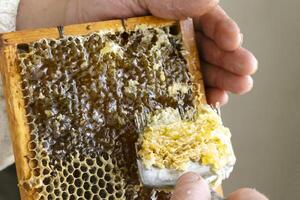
pixel 227 66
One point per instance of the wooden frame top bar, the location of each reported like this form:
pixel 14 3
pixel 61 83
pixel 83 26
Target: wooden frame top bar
pixel 27 36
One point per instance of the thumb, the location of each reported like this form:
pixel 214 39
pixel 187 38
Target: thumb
pixel 246 194
pixel 178 9
pixel 191 186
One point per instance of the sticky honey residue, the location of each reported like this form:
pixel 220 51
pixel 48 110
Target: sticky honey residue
pixel 172 142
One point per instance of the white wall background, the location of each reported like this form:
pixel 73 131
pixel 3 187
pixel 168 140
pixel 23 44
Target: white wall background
pixel 266 123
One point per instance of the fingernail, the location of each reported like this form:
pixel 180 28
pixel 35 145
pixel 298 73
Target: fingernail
pixel 191 186
pixel 188 178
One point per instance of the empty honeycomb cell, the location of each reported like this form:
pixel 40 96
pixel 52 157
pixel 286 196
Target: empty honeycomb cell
pixel 90 162
pixel 85 177
pixel 50 197
pixel 78 183
pixel 70 169
pixel 64 186
pixel 95 197
pixel 92 170
pixel 111 197
pixel 65 195
pixel 70 179
pixel 109 188
pixel 79 192
pixel 86 186
pixel 49 189
pixel 32 145
pixel 77 173
pixel 87 195
pixel 46 171
pixel 95 189
pixel 83 168
pixel 108 168
pixel 36 172
pixel 66 173
pixel 76 164
pixel 32 154
pixel 107 177
pixel 71 189
pixel 81 93
pixel 47 180
pixel 93 179
pixel 103 193
pixel 118 187
pixel 72 197
pixel 101 183
pixel 57 192
pixel 44 162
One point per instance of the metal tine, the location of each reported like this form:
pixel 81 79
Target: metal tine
pixel 181 112
pixel 141 117
pixel 60 29
pixel 214 195
pixel 216 107
pixel 141 120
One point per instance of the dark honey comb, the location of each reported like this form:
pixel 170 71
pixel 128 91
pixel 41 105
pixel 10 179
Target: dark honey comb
pixel 81 95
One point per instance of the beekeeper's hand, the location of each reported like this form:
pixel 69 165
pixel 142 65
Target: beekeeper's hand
pixel 191 186
pixel 229 66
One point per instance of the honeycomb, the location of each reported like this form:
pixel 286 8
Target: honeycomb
pixel 81 95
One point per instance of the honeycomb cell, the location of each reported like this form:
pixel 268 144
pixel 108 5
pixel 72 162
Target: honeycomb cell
pixel 72 197
pixel 83 169
pixel 36 172
pixel 95 189
pixel 32 145
pixel 86 186
pixel 101 183
pixel 90 162
pixel 103 193
pixel 80 192
pixel 85 177
pixel 49 189
pixel 78 183
pixel 57 192
pixel 46 171
pixel 71 189
pixel 77 173
pixel 107 177
pixel 93 179
pixel 82 94
pixel 65 195
pixel 64 186
pixel 87 195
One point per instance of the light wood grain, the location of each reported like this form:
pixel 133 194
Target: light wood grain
pixel 17 115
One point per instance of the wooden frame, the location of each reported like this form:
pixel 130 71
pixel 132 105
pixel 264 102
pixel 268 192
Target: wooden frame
pixel 12 79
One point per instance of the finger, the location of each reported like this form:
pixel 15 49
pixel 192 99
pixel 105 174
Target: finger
pixel 216 96
pixel 240 61
pixel 218 26
pixel 246 194
pixel 224 80
pixel 191 186
pixel 178 9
